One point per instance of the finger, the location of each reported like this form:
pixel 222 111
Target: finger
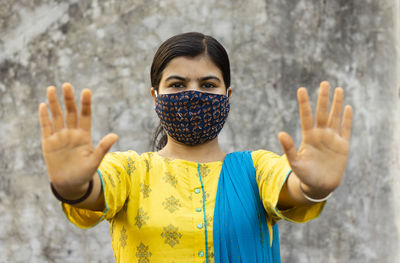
pixel 322 110
pixel 86 112
pixel 104 146
pixel 56 113
pixel 345 130
pixel 45 124
pixel 336 110
pixel 306 117
pixel 288 146
pixel 71 116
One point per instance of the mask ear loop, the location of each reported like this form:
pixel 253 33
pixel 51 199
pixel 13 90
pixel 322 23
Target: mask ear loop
pixel 155 91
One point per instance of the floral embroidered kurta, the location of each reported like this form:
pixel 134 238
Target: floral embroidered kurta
pixel 161 210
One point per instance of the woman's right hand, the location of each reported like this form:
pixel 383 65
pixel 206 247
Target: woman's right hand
pixel 68 151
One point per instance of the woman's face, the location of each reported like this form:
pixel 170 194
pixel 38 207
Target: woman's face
pixel 192 73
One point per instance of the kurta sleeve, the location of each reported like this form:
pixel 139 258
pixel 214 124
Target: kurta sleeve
pixel 272 171
pixel 115 171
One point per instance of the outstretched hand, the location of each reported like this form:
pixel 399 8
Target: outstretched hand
pixel 321 159
pixel 70 157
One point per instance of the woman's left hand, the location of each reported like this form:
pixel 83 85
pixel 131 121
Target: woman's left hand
pixel 321 159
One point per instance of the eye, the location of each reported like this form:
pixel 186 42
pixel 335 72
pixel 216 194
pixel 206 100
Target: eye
pixel 176 85
pixel 208 85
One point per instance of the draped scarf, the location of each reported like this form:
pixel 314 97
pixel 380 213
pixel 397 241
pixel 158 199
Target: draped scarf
pixel 240 230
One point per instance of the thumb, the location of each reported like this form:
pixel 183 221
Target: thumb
pixel 104 146
pixel 288 146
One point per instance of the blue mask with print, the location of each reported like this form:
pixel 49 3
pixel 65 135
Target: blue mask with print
pixel 192 117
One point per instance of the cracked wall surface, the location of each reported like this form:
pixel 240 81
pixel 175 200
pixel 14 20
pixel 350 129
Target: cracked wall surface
pixel 275 47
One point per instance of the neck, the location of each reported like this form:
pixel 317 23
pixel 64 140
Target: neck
pixel 202 153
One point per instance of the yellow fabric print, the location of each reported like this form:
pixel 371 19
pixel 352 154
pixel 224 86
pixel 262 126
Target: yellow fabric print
pixel 145 189
pixel 204 170
pixel 131 165
pixel 170 178
pixel 143 255
pixel 141 218
pixel 123 237
pixel 171 204
pixel 158 211
pixel 148 165
pixel 171 235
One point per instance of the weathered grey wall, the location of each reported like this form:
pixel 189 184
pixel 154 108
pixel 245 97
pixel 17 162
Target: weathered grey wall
pixel 275 46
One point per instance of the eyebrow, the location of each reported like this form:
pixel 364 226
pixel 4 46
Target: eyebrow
pixel 176 77
pixel 210 77
pixel 186 79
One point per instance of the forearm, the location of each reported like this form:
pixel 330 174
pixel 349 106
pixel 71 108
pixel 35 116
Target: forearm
pixel 292 195
pixel 95 200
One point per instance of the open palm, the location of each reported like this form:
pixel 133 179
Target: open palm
pixel 321 159
pixel 70 157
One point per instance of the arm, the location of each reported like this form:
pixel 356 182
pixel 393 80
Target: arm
pixel 95 200
pixel 70 157
pixel 319 163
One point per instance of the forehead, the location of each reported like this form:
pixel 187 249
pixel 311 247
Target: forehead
pixel 191 67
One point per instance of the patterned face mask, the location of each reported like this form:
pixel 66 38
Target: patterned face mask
pixel 192 117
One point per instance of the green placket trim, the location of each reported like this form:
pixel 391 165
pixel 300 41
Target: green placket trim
pixel 204 212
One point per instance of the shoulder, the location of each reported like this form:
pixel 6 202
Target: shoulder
pixel 263 155
pixel 258 156
pixel 132 156
pixel 128 160
pixel 122 156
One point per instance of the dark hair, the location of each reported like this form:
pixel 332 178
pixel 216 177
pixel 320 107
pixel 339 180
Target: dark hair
pixel 190 44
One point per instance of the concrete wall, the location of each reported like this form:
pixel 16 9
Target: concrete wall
pixel 275 47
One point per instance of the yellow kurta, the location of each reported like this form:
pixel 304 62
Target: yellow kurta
pixel 155 204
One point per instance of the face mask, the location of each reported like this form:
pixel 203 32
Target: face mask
pixel 192 117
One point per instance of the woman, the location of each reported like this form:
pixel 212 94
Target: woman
pixel 189 201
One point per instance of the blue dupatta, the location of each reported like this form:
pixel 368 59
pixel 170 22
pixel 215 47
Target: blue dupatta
pixel 240 229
